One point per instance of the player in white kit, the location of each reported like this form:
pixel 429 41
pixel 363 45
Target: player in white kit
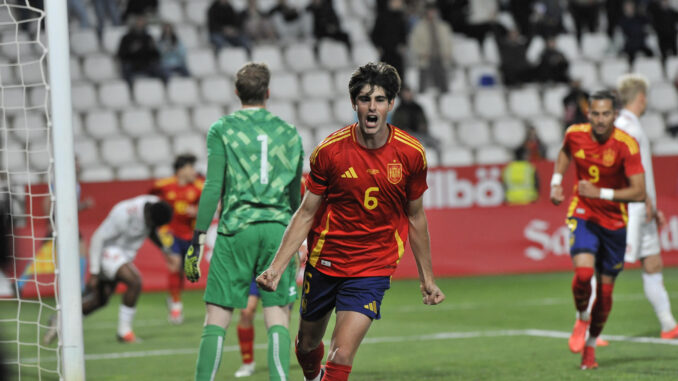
pixel 642 238
pixel 113 248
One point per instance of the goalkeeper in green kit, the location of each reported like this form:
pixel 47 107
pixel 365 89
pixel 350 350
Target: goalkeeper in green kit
pixel 254 166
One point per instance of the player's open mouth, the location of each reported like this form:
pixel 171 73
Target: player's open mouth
pixel 371 120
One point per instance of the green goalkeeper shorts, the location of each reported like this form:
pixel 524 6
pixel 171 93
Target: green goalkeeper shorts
pixel 237 259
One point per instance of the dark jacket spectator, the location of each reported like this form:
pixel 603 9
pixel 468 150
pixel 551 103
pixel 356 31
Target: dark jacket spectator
pixel 225 26
pixel 634 28
pixel 140 8
pixel 553 65
pixel 389 35
pixel 139 54
pixel 410 117
pixel 514 67
pixel 290 23
pixel 326 22
pixel 664 20
pixel 257 24
pixel 585 15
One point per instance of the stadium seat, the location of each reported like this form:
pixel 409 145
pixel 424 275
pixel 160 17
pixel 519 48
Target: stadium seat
pixel 525 102
pixel 355 27
pixel 13 157
pixel 457 157
pixel 315 112
pixel 196 12
pixel 490 103
pixel 549 129
pixel 567 44
pixel 149 92
pixel 84 42
pixel 162 170
pixel 118 150
pixel 443 131
pixel 201 62
pixel 553 99
pixel 192 142
pixel 101 124
pixel 8 74
pixel 13 99
pixel 665 147
pixel 672 68
pixel 217 90
pixel 37 97
pixel 491 51
pixel 283 109
pixel 509 133
pixel 493 155
pixel 33 72
pixel 594 46
pixel 535 49
pixel 39 156
pixel 552 151
pixel 429 102
pixel 76 123
pixel 271 55
pixel 231 59
pixel 474 133
pixel 98 173
pixel 204 116
pixel 171 11
pixel 154 149
pixel 284 85
pixel 333 55
pixel 173 120
pixel 111 38
pixel 115 95
pixel 654 126
pixel 100 68
pixel 466 51
pixel 455 106
pixel 137 122
pixel 76 70
pixel 663 97
pixel 341 78
pixel 183 91
pixel 135 171
pixel 29 127
pixel 343 111
pixel 87 151
pixel 364 52
pixel 189 36
pixel 457 81
pixel 611 69
pixel 17 44
pixel 650 67
pixel 585 72
pixel 477 72
pixel 300 58
pixel 307 141
pixel 323 131
pixel 317 84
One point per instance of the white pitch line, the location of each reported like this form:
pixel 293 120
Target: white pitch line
pixel 379 340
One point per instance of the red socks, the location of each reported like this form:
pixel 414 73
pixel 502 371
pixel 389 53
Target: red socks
pixel 581 287
pixel 336 372
pixel 601 309
pixel 176 284
pixel 246 341
pixel 310 362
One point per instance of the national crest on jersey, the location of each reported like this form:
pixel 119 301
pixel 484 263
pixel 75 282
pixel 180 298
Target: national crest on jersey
pixel 606 165
pixel 362 226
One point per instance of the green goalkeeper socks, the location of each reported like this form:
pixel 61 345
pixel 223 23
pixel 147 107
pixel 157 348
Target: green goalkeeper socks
pixel 209 355
pixel 279 353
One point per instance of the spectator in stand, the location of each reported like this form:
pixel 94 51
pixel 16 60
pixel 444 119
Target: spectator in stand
pixel 553 65
pixel 225 26
pixel 455 13
pixel 410 117
pixel 575 105
pixel 290 24
pixel 634 28
pixel 140 8
pixel 78 9
pixel 431 43
pixel 139 54
pixel 258 25
pixel 514 67
pixel 664 19
pixel 547 18
pixel 103 9
pixel 613 10
pixel 532 148
pixel 172 52
pixel 389 35
pixel 585 15
pixel 521 11
pixel 482 19
pixel 326 23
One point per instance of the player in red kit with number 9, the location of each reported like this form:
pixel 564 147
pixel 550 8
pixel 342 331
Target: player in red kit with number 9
pixel 364 199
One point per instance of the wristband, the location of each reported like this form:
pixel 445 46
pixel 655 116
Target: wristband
pixel 556 179
pixel 606 193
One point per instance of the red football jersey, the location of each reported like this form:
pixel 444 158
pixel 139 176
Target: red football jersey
pixel 607 165
pixel 361 227
pixel 184 199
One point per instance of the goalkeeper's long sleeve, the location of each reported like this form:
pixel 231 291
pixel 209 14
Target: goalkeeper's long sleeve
pixel 214 181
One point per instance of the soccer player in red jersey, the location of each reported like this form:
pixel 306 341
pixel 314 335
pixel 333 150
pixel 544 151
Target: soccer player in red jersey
pixel 363 200
pixel 609 174
pixel 182 191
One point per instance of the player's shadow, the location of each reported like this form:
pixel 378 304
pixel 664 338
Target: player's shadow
pixel 617 361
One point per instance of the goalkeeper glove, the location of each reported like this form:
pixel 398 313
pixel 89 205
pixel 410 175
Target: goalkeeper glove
pixel 194 256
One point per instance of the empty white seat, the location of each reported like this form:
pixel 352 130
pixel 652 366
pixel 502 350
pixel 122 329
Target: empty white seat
pixel 490 103
pixel 173 120
pixel 315 112
pixel 201 62
pixel 491 51
pixel 17 44
pixel 428 101
pixel 182 91
pixel 284 85
pixel 149 92
pixel 283 109
pixel 76 71
pixel 333 54
pixel 8 74
pixel 458 81
pixel 203 117
pixel 474 133
pixel 364 52
pixel 162 170
pixel 611 69
pixel 192 142
pixel 307 141
pixel 594 45
pixel 269 54
pixel 477 72
pixel 653 125
pixel 13 157
pixel 134 171
pixel 553 99
pixel 101 124
pixel 189 36
pixel 317 84
pixel 37 96
pixel 650 67
pixel 100 67
pixel 299 57
pixel 218 90
pixel 343 111
pixel 665 147
pixel 585 72
pixel 493 155
pixel 535 49
pixel 672 68
pixel 457 157
pixel 76 124
pixel 111 38
pixel 40 157
pixel 83 96
pixel 324 131
pixel 466 51
pixel 196 11
pixel 567 44
pixel 355 27
pixel 97 173
pixel 32 72
pixel 154 149
pixel 549 129
pixel 341 78
pixel 137 122
pixel 525 102
pixel 30 127
pixel 663 97
pixel 115 95
pixel 84 42
pixel 87 151
pixel 443 131
pixel 231 59
pixel 509 132
pixel 116 151
pixel 171 11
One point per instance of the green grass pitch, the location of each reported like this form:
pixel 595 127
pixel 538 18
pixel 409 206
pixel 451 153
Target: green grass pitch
pixel 512 327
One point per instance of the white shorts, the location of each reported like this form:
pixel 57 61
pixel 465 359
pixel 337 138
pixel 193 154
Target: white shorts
pixel 642 238
pixel 112 259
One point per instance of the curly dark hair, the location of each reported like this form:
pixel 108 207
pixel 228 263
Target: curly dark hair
pixel 375 74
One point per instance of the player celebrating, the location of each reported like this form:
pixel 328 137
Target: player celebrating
pixel 182 191
pixel 254 162
pixel 609 174
pixel 363 199
pixel 113 248
pixel 642 239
